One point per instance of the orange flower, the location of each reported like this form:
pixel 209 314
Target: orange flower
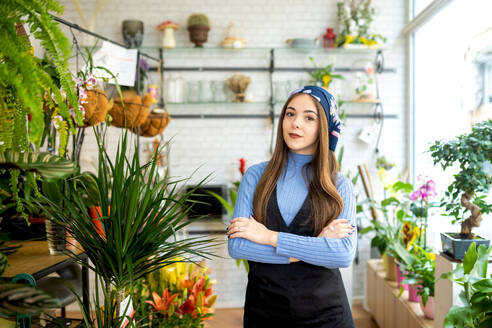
pixel 162 303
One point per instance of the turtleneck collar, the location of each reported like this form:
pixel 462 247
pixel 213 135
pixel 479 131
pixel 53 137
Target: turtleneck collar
pixel 298 159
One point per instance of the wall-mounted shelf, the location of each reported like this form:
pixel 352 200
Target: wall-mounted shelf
pixel 265 116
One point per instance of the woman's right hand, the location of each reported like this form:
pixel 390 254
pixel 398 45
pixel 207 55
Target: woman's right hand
pixel 339 228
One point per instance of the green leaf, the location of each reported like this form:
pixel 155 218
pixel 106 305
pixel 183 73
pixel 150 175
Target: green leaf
pixel 483 260
pixel 487 323
pixel 47 165
pixel 484 285
pixel 470 258
pixel 390 200
pixel 458 317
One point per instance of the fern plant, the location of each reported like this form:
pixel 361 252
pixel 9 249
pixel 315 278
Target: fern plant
pixel 25 87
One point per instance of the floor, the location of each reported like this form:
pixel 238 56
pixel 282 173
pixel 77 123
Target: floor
pixel 233 318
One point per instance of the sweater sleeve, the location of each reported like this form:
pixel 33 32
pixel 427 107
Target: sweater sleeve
pixel 327 252
pixel 240 248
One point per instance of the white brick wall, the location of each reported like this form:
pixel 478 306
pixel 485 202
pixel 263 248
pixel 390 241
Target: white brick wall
pixel 217 144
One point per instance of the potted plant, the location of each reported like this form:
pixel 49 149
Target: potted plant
pixel 388 232
pixel 198 25
pixel 323 77
pixel 354 21
pixel 465 198
pixel 141 214
pixel 421 266
pixel 476 312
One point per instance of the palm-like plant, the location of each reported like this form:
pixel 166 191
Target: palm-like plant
pixel 140 217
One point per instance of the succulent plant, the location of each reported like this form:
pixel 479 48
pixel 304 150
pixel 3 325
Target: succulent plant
pixel 198 19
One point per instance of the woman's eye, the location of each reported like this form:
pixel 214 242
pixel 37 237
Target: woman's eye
pixel 289 114
pixel 310 118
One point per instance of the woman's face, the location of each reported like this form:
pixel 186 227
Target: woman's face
pixel 301 125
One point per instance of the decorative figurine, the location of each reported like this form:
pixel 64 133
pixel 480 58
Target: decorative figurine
pixel 168 27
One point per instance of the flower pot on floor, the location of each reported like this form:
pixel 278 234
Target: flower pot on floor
pixel 428 309
pixel 456 247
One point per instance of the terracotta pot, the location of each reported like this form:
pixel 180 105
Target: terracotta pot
pixel 428 309
pixel 390 268
pixel 198 34
pixel 412 293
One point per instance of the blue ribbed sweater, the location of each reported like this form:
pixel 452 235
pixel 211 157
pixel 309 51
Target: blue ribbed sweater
pixel 292 190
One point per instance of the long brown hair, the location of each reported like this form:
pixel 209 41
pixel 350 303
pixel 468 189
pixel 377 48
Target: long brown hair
pixel 326 203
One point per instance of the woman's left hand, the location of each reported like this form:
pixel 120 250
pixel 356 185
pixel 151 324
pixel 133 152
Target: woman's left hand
pixel 252 230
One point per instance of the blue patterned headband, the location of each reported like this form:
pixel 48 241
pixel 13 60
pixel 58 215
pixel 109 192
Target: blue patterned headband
pixel 329 104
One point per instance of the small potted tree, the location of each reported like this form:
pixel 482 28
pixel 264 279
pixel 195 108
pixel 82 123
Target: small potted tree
pixel 465 198
pixel 198 25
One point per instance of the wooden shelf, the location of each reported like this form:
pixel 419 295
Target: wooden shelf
pixel 386 307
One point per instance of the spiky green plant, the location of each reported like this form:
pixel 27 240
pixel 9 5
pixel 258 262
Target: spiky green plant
pixel 141 214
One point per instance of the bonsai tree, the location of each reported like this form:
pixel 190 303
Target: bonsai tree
pixel 467 193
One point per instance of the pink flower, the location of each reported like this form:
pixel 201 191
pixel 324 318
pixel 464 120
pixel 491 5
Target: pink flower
pixel 415 195
pixel 428 189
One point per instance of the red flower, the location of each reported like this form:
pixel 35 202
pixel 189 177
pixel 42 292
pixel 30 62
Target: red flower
pixel 188 306
pixel 242 165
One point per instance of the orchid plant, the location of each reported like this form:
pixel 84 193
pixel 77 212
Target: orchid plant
pixel 420 204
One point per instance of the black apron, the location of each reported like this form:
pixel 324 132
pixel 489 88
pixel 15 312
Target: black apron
pixel 297 294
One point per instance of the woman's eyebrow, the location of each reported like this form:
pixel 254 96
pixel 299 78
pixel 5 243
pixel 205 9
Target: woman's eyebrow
pixel 306 111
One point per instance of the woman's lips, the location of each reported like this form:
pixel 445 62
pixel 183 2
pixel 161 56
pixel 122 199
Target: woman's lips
pixel 294 136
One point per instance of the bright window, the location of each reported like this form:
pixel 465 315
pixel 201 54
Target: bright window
pixel 446 85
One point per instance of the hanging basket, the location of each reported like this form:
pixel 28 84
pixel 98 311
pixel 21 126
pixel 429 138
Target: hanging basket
pixel 96 108
pixel 154 124
pixel 134 111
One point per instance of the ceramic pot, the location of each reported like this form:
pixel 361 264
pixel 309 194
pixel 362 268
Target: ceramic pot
pixel 400 277
pixel 390 268
pixel 198 34
pixel 133 31
pixel 412 293
pixel 428 309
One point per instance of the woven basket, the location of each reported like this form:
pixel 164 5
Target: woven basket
pixel 133 113
pixel 154 125
pixel 96 108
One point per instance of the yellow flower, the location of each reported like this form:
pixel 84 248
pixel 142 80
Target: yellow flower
pixel 349 39
pixel 409 234
pixel 326 80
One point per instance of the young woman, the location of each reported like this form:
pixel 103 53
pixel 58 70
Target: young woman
pixel 294 222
